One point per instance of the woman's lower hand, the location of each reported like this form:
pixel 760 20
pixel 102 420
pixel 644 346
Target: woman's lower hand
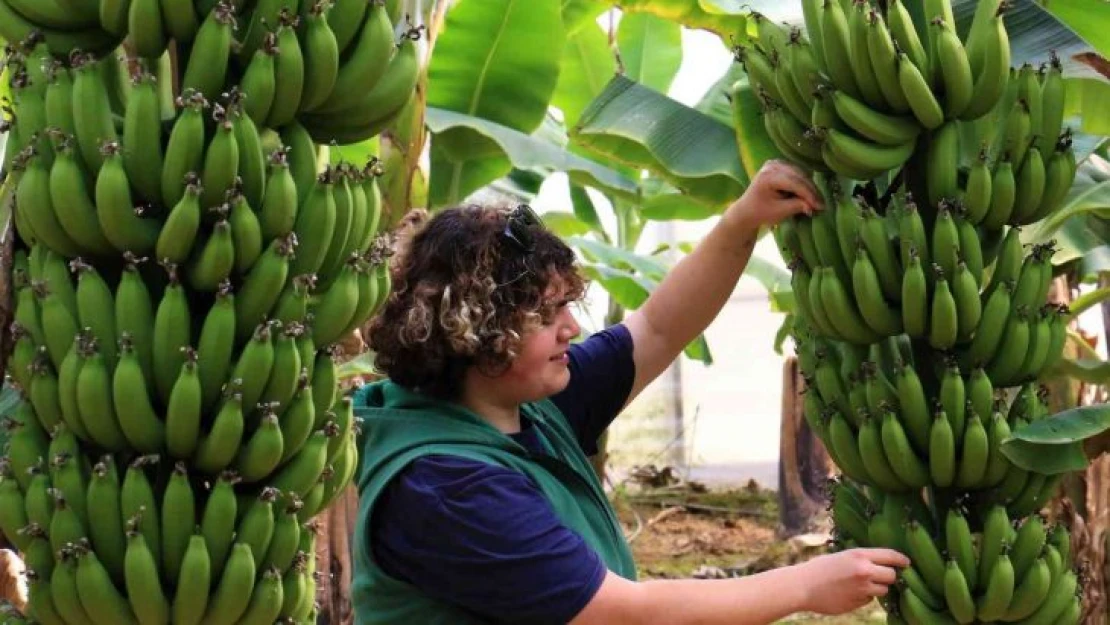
pixel 848 580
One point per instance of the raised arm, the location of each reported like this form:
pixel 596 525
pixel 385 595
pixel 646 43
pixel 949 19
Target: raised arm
pixel 696 289
pixel 831 584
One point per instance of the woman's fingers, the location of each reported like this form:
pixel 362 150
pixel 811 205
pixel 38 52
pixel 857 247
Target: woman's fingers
pixel 788 179
pixel 884 575
pixel 877 590
pixel 887 557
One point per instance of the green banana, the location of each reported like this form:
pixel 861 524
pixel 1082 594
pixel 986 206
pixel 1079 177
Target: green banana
pixel 992 327
pixel 261 453
pixel 96 591
pixel 321 55
pixel 367 61
pixel 993 72
pixel 289 72
pixel 106 527
pixel 954 66
pixel 1052 104
pixel 213 259
pixel 957 594
pixel 221 161
pixel 135 312
pixel 121 221
pixel 207 66
pixel 999 590
pixel 920 96
pixel 171 333
pixel 142 579
pixel 942 450
pixel 143 157
pixel 859 155
pixel 1010 355
pixel 140 423
pixel 252 370
pixel 1030 188
pixel 943 155
pixel 73 203
pixel 262 286
pixel 190 598
pixel 836 40
pixel 258 83
pixel 925 556
pixel 232 594
pixel 94 399
pixel 278 211
pixel 218 448
pixel 217 524
pixel 915 309
pixel 92 111
pixel 180 230
pixel 943 315
pixel 184 154
pixel 1030 592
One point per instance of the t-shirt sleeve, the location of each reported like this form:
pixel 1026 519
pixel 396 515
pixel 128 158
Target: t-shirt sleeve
pixel 484 538
pixel 601 375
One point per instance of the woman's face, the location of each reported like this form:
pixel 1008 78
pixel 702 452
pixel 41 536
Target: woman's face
pixel 540 370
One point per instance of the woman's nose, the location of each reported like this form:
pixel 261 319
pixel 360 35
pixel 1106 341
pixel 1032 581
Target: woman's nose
pixel 569 329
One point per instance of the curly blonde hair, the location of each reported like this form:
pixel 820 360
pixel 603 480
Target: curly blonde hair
pixel 464 295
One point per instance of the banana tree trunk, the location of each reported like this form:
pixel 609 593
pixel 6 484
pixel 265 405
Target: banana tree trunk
pixel 333 556
pixel 804 465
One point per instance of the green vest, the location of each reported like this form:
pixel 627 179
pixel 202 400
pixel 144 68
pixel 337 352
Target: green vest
pixel 399 426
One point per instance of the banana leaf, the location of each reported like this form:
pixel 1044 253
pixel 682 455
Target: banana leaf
pixel 565 224
pixel 630 290
pixel 587 66
pixel 650 48
pixel 676 206
pixel 498 61
pixel 775 279
pixel 1055 444
pixel 637 126
pixel 578 13
pixel 501 148
pixel 726 18
pixel 1046 459
pixel 584 209
pixel 1088 18
pixel 1088 99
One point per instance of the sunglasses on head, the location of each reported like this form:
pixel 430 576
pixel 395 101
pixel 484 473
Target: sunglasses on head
pixel 518 228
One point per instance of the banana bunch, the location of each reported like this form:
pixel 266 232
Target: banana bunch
pixel 855 96
pixel 854 282
pixel 184 553
pixel 886 433
pixel 187 259
pixel 991 566
pixel 63 25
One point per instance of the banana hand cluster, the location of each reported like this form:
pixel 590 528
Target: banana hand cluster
pixel 104 541
pixel 854 96
pixel 888 433
pixel 855 282
pixel 975 567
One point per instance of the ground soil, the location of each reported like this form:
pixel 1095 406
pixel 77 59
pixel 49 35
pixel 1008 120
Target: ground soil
pixel 681 532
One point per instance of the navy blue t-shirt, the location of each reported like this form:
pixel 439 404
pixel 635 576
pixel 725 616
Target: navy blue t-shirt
pixel 484 537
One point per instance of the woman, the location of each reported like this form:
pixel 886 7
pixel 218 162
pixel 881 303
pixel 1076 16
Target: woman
pixel 478 504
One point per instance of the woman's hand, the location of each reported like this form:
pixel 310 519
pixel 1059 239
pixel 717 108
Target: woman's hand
pixel 848 580
pixel 779 190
